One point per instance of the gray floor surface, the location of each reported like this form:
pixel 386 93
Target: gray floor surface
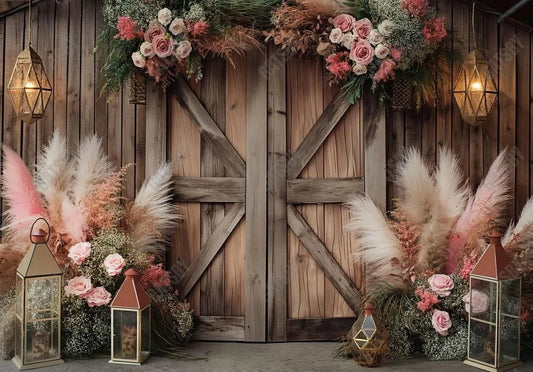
pixel 236 357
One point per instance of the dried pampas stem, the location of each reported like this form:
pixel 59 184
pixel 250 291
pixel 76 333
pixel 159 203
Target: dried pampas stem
pixel 92 167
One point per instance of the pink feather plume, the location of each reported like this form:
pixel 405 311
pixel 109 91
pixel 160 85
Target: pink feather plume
pixel 74 221
pixel 20 193
pixel 489 203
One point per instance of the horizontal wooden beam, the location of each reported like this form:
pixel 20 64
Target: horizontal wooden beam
pixel 324 259
pixel 316 136
pixel 219 328
pixel 210 249
pixel 323 190
pixel 318 329
pixel 209 190
pixel 207 127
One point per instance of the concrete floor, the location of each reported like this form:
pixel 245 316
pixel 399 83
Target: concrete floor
pixel 236 357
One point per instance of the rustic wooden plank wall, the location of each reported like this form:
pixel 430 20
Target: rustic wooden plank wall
pixel 509 49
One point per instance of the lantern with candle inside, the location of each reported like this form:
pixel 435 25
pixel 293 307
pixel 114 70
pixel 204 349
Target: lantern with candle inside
pixel 494 310
pixel 38 305
pixel 130 322
pixel 369 339
pixel 29 87
pixel 474 89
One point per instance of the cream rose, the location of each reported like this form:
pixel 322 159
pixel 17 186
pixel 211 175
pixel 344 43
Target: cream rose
pixel 79 252
pixel 385 28
pixel 359 69
pixel 336 36
pixel 362 28
pixel 183 49
pixel 440 284
pixel 78 286
pixel 99 296
pixel 114 263
pixel 344 22
pixel 374 37
pixel 381 51
pixel 138 59
pixel 164 16
pixel 362 53
pixel 441 322
pixel 348 40
pixel 479 303
pixel 147 49
pixel 177 26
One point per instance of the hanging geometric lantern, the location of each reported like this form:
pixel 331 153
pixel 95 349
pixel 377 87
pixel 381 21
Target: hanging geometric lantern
pixel 474 89
pixel 29 87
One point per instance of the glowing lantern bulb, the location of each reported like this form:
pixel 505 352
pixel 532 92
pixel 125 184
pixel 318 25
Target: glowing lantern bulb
pixel 476 86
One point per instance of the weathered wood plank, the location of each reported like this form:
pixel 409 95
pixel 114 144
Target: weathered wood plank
pixel 114 129
pixel 61 67
pixel 314 139
pixel 29 131
pixel 277 183
pixel 323 190
pixel 318 329
pixel 208 128
pixel 156 127
pixel 128 142
pixel 395 149
pixel 210 249
pixel 219 328
pixel 100 104
pixel 87 91
pixel 375 151
pixel 140 145
pixel 73 76
pixel 213 94
pixel 234 248
pixel 324 259
pixel 3 97
pixel 256 199
pixel 209 190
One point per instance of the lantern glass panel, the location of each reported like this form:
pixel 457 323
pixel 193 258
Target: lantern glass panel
pixel 41 340
pixel 510 305
pixel 485 308
pixel 145 333
pixel 125 335
pixel 43 298
pixel 509 340
pixel 482 341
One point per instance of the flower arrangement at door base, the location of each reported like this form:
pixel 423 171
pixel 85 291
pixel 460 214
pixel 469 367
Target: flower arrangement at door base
pixel 362 43
pixel 96 235
pixel 422 255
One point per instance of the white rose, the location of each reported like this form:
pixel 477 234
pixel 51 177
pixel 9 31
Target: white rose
pixel 336 35
pixel 348 39
pixel 183 50
pixel 164 16
pixel 385 28
pixel 147 49
pixel 138 59
pixel 359 69
pixel 177 26
pixel 381 51
pixel 375 37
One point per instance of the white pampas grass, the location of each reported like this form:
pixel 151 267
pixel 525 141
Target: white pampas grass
pixel 153 205
pixel 453 193
pixel 378 247
pixel 54 170
pixel 92 167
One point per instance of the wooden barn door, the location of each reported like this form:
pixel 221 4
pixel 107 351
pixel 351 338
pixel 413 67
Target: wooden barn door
pixel 265 153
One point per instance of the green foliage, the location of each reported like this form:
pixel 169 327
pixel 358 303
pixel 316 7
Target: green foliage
pixel 139 10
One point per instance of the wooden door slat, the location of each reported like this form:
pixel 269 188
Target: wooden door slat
pixel 219 328
pixel 209 189
pixel 210 131
pixel 318 329
pixel 210 249
pixel 324 259
pixel 316 136
pixel 323 190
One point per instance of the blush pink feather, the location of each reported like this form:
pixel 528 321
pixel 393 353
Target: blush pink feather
pixel 21 195
pixel 74 221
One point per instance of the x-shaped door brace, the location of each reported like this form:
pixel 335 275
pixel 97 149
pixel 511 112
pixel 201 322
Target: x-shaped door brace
pixel 232 190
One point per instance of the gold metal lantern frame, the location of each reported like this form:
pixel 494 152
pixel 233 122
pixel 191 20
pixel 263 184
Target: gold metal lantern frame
pixel 38 307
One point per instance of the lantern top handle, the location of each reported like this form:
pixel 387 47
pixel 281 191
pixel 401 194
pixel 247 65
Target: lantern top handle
pixel 40 236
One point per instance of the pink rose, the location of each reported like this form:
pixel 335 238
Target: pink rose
pixel 78 286
pixel 79 252
pixel 114 264
pixel 362 28
pixel 155 29
pixel 344 21
pixel 441 322
pixel 479 303
pixel 362 52
pixel 99 296
pixel 162 46
pixel 441 284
